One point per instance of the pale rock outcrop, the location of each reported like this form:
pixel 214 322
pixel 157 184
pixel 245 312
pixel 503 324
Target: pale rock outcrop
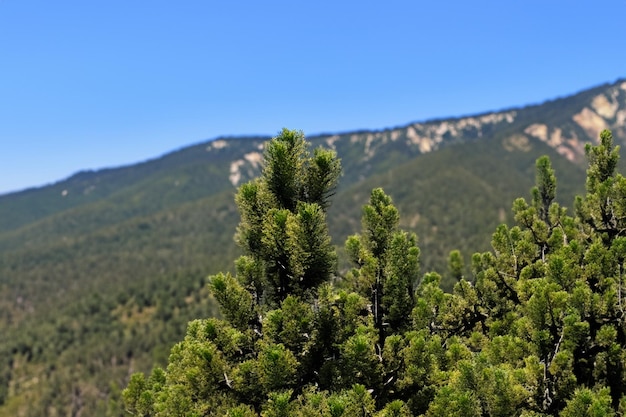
pixel 590 122
pixel 426 145
pixel 412 135
pixel 254 158
pixel 219 144
pixel 540 131
pixel 369 152
pixel 566 152
pixel 235 174
pixel 605 107
pixel 330 141
pixel 556 138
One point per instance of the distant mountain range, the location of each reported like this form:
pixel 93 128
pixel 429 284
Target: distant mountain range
pixel 99 273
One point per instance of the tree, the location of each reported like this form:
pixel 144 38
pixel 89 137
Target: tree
pixel 288 335
pixel 283 229
pixel 536 330
pixel 266 346
pixel 386 262
pixel 546 301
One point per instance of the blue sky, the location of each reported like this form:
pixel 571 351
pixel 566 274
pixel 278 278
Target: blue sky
pixel 93 84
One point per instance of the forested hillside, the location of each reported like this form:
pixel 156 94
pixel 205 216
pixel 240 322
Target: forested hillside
pixel 100 273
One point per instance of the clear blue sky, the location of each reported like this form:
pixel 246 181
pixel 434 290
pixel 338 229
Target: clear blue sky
pixel 87 84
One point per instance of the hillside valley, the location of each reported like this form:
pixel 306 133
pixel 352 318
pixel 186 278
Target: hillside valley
pixel 100 273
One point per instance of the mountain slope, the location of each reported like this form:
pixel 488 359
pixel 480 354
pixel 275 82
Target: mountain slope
pixel 100 273
pixel 564 124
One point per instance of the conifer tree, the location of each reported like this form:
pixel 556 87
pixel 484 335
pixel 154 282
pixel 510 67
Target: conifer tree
pixel 386 263
pixel 537 329
pixel 267 346
pixel 282 229
pixel 290 341
pixel 544 312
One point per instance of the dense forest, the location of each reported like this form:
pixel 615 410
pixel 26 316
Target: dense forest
pixel 535 328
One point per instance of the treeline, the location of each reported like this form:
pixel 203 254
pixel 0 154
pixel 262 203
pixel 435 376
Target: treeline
pixel 536 328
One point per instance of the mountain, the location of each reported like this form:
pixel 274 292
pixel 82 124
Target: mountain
pixel 100 273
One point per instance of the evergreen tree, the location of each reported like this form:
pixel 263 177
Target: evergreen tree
pixel 268 345
pixel 283 229
pixel 544 312
pixel 536 330
pixel 386 263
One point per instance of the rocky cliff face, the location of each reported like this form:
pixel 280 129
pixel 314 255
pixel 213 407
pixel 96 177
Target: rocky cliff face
pixel 606 110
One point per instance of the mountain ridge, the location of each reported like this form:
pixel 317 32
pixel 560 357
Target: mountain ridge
pixel 314 136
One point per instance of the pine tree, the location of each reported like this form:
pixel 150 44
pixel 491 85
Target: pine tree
pixel 544 311
pixel 283 229
pixel 289 338
pixel 267 346
pixel 536 329
pixel 386 263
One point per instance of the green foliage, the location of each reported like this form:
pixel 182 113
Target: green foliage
pixel 450 402
pixel 603 209
pixel 541 311
pixel 283 225
pixel 386 262
pixel 236 304
pixel 144 237
pixel 587 403
pixel 270 340
pixel 554 285
pixel 538 330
